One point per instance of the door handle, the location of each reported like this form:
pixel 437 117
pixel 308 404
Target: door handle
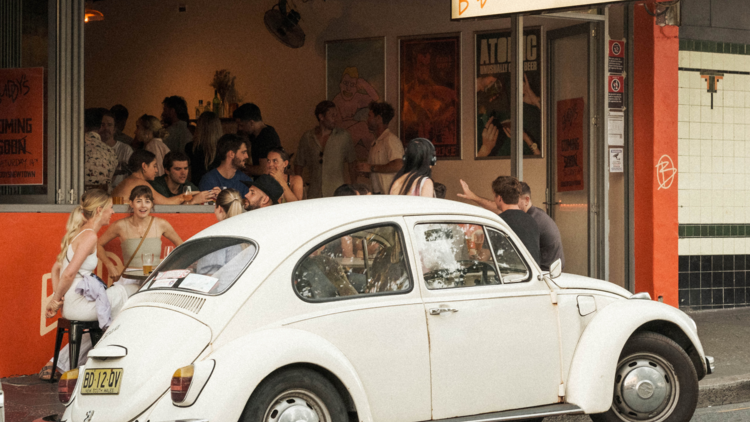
pixel 438 311
pixel 553 203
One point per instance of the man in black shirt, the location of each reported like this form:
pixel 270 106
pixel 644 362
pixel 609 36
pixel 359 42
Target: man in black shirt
pixel 507 193
pixel 261 137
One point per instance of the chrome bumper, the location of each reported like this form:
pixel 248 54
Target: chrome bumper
pixel 710 365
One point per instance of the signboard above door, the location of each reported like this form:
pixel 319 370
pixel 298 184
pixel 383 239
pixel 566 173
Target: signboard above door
pixel 461 9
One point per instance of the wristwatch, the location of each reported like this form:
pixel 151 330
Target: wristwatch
pixel 534 147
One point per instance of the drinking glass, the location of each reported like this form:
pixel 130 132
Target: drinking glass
pixel 167 250
pixel 148 262
pixel 187 194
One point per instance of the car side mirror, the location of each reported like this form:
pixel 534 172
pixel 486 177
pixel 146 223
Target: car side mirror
pixel 555 270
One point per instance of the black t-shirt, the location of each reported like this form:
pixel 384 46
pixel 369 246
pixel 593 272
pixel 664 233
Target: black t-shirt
pixel 266 140
pixel 198 163
pixel 526 228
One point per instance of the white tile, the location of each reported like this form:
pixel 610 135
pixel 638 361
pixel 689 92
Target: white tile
pixel 728 82
pixel 740 186
pixel 684 59
pixel 695 130
pixel 728 247
pixel 728 98
pixel 718 129
pixel 683 79
pixel 683 96
pixel 706 215
pixel 728 183
pixel 706 166
pixel 739 113
pixel 717 245
pixel 706 148
pixel 683 113
pixel 746 95
pixel 707 114
pixel 728 132
pixel 706 130
pixel 695 97
pixel 739 132
pixel 718 98
pixel 716 147
pixel 694 180
pixel 695 59
pixel 718 61
pixel 695 217
pixel 682 247
pixel 682 214
pixel 694 147
pixel 683 164
pixel 717 164
pixel 740 83
pixel 695 113
pixel 728 113
pixel 695 80
pixel 707 60
pixel 705 98
pixel 706 180
pixel 681 182
pixel 683 130
pixel 695 165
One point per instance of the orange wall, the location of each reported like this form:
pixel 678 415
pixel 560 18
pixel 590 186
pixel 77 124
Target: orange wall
pixel 29 245
pixel 655 135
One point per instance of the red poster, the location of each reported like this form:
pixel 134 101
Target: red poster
pixel 570 145
pixel 22 126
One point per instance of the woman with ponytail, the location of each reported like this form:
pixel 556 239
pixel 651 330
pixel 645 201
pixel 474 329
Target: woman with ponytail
pixel 228 204
pixel 414 177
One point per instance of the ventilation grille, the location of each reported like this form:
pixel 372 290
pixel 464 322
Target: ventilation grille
pixel 187 302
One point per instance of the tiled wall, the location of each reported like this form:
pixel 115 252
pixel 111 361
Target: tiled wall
pixel 713 175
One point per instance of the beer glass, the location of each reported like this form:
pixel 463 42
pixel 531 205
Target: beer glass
pixel 187 194
pixel 148 263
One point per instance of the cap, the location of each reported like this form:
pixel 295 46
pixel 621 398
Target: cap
pixel 268 185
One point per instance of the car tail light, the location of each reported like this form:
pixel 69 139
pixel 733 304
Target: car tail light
pixel 67 385
pixel 181 383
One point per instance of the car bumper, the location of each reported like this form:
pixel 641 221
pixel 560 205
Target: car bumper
pixel 710 365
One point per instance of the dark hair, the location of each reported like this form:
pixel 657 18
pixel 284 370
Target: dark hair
pixel 119 112
pixel 383 110
pixel 323 107
pixel 173 156
pixel 247 112
pixel 106 113
pixel 525 189
pixel 361 188
pixel 508 188
pixel 439 190
pixel 179 106
pixel 418 158
pixel 139 158
pixel 345 190
pixel 142 190
pixel 228 142
pixel 92 119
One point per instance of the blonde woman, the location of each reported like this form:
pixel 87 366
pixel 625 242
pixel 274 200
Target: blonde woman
pixel 202 150
pixel 78 259
pixel 147 130
pixel 228 204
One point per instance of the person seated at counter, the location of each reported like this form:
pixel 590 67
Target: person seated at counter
pixel 174 181
pixel 233 153
pixel 143 165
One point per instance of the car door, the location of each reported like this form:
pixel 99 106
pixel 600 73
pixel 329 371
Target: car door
pixel 494 336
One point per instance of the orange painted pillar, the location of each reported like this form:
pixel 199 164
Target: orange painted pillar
pixel 655 159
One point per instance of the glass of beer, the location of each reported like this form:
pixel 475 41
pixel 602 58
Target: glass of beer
pixel 148 263
pixel 167 250
pixel 187 194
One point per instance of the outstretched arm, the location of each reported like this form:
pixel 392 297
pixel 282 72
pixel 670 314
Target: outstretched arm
pixel 482 202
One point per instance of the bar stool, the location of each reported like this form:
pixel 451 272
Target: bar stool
pixel 75 330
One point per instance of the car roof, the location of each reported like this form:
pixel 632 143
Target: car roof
pixel 309 218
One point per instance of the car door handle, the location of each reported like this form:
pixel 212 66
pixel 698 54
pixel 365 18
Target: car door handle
pixel 438 311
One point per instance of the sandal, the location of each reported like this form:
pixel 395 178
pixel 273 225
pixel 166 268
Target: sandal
pixel 46 372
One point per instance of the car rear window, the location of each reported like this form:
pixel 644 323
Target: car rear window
pixel 208 265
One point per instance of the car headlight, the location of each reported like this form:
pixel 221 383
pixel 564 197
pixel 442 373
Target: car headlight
pixel 67 385
pixel 188 382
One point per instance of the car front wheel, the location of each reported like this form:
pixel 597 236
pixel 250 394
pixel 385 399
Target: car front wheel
pixel 299 395
pixel 655 382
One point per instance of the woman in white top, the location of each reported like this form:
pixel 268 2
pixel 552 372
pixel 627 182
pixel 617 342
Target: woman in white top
pixel 147 129
pixel 414 177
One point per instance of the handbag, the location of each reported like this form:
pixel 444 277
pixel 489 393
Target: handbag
pixel 137 248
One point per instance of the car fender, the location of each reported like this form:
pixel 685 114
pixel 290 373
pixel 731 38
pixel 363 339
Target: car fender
pixel 246 361
pixel 592 370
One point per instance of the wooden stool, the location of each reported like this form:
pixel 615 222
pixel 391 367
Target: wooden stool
pixel 75 330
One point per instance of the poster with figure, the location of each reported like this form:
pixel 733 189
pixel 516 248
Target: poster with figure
pixel 355 76
pixel 493 93
pixel 570 145
pixel 22 126
pixel 430 72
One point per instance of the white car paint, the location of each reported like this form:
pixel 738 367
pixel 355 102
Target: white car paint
pixel 395 360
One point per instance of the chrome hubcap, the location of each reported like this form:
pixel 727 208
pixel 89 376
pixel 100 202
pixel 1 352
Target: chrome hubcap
pixel 297 406
pixel 645 388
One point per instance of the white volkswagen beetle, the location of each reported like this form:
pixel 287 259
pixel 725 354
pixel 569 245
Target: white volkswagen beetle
pixel 386 308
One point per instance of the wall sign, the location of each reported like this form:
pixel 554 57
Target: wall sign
pixel 616 160
pixel 570 145
pixel 616 59
pixel 22 126
pixel 616 91
pixel 461 9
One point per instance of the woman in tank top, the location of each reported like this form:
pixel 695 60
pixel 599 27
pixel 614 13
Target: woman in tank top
pixel 414 177
pixel 130 230
pixel 278 166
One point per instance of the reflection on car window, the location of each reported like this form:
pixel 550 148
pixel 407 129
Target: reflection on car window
pixel 512 268
pixel 209 265
pixel 365 262
pixel 455 255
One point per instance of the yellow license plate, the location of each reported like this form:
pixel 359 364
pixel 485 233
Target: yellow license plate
pixel 102 381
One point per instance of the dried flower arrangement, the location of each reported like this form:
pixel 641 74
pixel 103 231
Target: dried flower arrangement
pixel 223 83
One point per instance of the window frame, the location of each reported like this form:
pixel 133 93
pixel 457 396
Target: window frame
pixel 150 279
pixel 529 273
pixel 402 239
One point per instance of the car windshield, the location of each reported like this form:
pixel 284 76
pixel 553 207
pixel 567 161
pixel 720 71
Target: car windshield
pixel 209 265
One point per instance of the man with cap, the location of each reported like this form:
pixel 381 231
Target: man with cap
pixel 264 192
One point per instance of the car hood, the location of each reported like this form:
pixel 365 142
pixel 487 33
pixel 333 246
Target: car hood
pixel 158 342
pixel 572 281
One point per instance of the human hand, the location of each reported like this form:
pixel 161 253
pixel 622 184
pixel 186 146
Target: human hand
pixel 201 197
pixel 529 97
pixel 468 194
pixel 364 167
pixel 278 174
pixel 53 306
pixel 489 138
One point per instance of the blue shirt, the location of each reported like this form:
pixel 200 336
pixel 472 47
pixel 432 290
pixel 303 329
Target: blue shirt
pixel 213 179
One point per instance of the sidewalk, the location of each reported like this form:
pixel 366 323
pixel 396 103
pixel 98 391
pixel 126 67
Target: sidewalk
pixel 725 335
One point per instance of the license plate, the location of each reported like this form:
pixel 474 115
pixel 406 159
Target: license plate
pixel 102 381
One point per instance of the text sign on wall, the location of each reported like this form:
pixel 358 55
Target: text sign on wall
pixel 22 126
pixel 461 9
pixel 570 145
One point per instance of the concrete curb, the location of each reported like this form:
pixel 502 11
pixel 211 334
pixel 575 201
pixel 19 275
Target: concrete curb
pixel 724 390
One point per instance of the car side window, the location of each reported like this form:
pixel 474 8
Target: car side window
pixel 365 262
pixel 509 261
pixel 455 255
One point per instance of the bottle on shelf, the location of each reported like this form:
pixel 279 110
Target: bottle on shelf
pixel 217 105
pixel 209 106
pixel 199 109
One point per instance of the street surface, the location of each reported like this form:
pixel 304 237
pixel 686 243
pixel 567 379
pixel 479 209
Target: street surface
pixel 738 412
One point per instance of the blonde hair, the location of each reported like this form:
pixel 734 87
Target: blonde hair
pixel 151 123
pixel 207 133
pixel 90 202
pixel 230 201
pixel 352 72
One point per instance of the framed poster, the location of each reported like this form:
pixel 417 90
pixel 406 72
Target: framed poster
pixel 430 69
pixel 22 126
pixel 355 76
pixel 570 146
pixel 492 65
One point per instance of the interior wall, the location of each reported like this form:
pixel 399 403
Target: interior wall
pixel 144 51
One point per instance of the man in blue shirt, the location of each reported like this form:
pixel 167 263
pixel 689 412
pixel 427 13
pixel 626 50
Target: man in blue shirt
pixel 233 151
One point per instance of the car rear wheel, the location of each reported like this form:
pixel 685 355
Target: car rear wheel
pixel 655 382
pixel 298 395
